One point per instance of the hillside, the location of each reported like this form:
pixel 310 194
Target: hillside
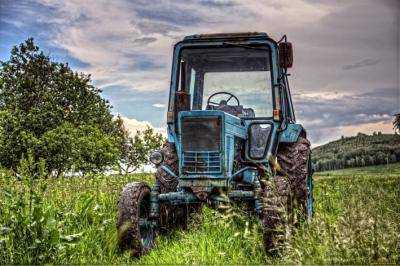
pixel 357 151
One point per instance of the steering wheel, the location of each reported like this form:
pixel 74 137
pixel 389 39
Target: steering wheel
pixel 211 103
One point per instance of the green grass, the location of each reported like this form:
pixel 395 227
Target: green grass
pixel 72 221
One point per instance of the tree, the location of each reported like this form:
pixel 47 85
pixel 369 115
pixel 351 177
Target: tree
pixel 135 152
pixel 44 105
pixel 96 151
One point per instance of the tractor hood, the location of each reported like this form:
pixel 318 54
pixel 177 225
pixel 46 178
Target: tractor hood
pixel 206 143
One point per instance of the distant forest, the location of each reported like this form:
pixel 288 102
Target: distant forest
pixel 357 151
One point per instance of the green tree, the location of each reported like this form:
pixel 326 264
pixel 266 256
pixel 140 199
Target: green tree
pixel 96 151
pixel 60 148
pixel 135 152
pixel 43 105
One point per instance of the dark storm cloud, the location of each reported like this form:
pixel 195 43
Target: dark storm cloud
pixel 362 63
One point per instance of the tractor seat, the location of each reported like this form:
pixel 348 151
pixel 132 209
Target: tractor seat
pixel 236 110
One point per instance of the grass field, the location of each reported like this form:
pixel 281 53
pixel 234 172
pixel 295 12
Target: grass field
pixel 72 220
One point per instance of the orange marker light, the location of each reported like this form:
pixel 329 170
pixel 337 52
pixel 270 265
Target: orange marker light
pixel 277 113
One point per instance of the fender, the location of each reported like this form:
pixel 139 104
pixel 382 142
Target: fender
pixel 291 133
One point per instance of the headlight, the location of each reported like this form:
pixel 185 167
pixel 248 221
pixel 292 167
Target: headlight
pixel 156 157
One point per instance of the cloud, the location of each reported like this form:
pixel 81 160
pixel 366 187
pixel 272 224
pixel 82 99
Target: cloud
pixel 127 47
pixel 133 126
pixel 170 14
pixel 138 104
pixel 362 63
pixel 148 27
pixel 218 3
pixel 325 135
pixel 329 115
pixel 368 128
pixel 144 40
pixel 158 105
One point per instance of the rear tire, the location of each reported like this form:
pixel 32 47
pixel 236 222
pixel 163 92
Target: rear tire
pixel 294 159
pixel 286 193
pixel 275 213
pixel 135 230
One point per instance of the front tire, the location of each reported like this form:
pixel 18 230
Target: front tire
pixel 135 230
pixel 171 217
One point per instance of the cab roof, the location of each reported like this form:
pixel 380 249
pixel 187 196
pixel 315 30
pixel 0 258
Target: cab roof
pixel 240 36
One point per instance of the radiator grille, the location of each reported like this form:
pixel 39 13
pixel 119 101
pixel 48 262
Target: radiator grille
pixel 201 134
pixel 201 162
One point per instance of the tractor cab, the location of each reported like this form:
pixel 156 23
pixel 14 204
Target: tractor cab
pixel 232 137
pixel 225 108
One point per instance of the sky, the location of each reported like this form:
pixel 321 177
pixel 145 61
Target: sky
pixel 346 71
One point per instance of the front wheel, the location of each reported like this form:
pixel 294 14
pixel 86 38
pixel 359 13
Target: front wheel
pixel 135 230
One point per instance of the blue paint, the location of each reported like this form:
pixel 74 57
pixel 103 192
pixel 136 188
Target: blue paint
pixel 291 133
pixel 168 170
pixel 249 176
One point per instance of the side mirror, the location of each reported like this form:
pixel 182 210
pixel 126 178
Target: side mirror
pixel 259 139
pixel 285 54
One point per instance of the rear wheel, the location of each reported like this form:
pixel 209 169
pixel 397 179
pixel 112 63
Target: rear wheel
pixel 294 158
pixel 287 194
pixel 135 230
pixel 275 213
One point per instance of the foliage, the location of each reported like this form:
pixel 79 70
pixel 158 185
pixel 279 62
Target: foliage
pixel 42 105
pixel 356 222
pixel 29 234
pixel 136 151
pixel 357 151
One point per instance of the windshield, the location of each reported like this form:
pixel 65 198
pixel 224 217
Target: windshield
pixel 239 72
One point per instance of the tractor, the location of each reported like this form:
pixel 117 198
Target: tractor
pixel 232 139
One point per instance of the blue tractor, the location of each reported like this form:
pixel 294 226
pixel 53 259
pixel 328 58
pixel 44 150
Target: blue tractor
pixel 232 138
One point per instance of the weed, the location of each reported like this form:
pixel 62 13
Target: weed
pixel 72 220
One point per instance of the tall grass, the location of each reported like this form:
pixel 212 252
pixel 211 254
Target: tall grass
pixel 72 220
